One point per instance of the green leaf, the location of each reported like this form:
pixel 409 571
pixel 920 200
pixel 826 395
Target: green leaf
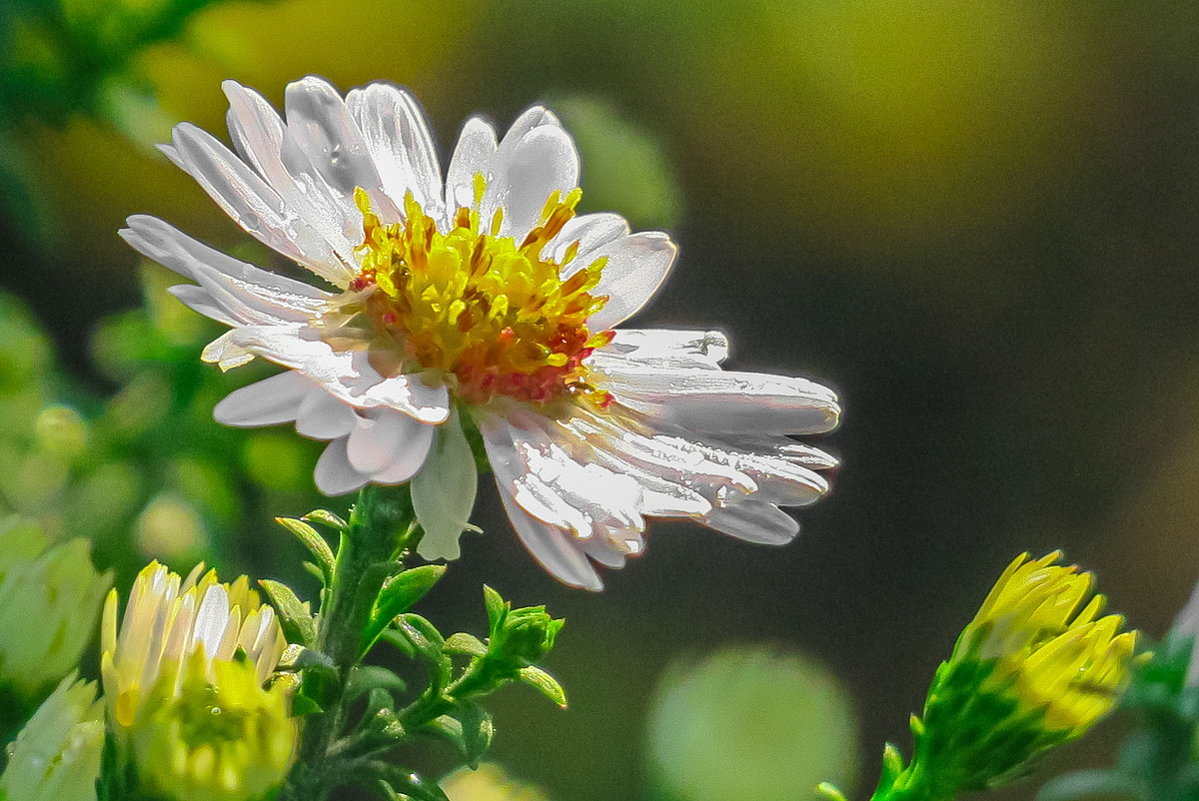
pixel 327 519
pixel 294 616
pixel 468 727
pixel 546 684
pixel 397 596
pixel 465 644
pixel 423 636
pixel 414 786
pixel 497 608
pixel 443 492
pixel 368 678
pixel 315 544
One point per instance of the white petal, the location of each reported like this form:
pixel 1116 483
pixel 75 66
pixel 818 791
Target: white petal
pixel 473 153
pixel 754 521
pixel 663 348
pixel 192 258
pixel 347 375
pixel 322 416
pixel 525 173
pixel 726 401
pixel 591 231
pixel 318 120
pixel 197 299
pixel 212 619
pixel 226 353
pixel 267 402
pixel 637 265
pixel 443 492
pixel 261 133
pixel 386 438
pixel 254 205
pixel 398 138
pixel 334 475
pixel 552 547
pixel 411 456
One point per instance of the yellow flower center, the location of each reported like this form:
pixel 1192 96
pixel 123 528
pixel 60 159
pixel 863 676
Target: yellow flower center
pixel 503 318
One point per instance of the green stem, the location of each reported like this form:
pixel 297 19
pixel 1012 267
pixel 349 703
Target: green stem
pixel 381 528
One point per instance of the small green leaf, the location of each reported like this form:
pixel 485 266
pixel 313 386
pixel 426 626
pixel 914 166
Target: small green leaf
pixel 830 791
pixel 296 658
pixel 422 635
pixel 469 728
pixel 315 544
pixel 465 644
pixel 546 684
pixel 415 787
pixel 302 706
pixel 497 608
pixel 327 519
pixel 397 596
pixel 294 616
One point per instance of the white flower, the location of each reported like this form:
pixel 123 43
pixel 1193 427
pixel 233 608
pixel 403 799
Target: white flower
pixel 481 301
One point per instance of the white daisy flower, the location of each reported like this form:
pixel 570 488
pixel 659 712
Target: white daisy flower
pixel 478 301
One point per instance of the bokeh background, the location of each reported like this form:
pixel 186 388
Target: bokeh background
pixel 978 221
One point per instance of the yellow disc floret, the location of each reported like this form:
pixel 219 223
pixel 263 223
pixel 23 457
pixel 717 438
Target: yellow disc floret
pixel 502 317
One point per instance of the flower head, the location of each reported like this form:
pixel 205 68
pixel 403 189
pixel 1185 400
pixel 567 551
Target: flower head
pixel 49 600
pixel 1037 666
pixel 478 301
pixel 184 680
pixel 57 756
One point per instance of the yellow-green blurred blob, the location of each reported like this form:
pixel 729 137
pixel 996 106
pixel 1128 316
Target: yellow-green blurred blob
pixel 749 723
pixel 170 528
pixel 624 166
pixel 488 783
pixel 61 432
pixel 879 125
pixel 278 461
pixel 50 599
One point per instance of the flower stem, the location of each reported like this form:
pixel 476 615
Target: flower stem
pixel 382 527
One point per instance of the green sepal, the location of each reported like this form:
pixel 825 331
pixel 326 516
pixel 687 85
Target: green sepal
pixel 544 683
pixel 469 728
pixel 315 543
pixel 398 595
pixel 294 616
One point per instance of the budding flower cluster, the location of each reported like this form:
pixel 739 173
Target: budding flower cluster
pixel 184 681
pixel 1038 666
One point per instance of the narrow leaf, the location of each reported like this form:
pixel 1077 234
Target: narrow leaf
pixel 398 595
pixel 497 608
pixel 465 644
pixel 294 616
pixel 546 684
pixel 327 519
pixel 314 542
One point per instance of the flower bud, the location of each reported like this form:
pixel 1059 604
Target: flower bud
pixel 57 756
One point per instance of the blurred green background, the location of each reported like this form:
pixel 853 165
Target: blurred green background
pixel 977 220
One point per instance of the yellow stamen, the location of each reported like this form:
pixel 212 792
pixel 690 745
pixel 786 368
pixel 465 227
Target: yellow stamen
pixel 502 318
